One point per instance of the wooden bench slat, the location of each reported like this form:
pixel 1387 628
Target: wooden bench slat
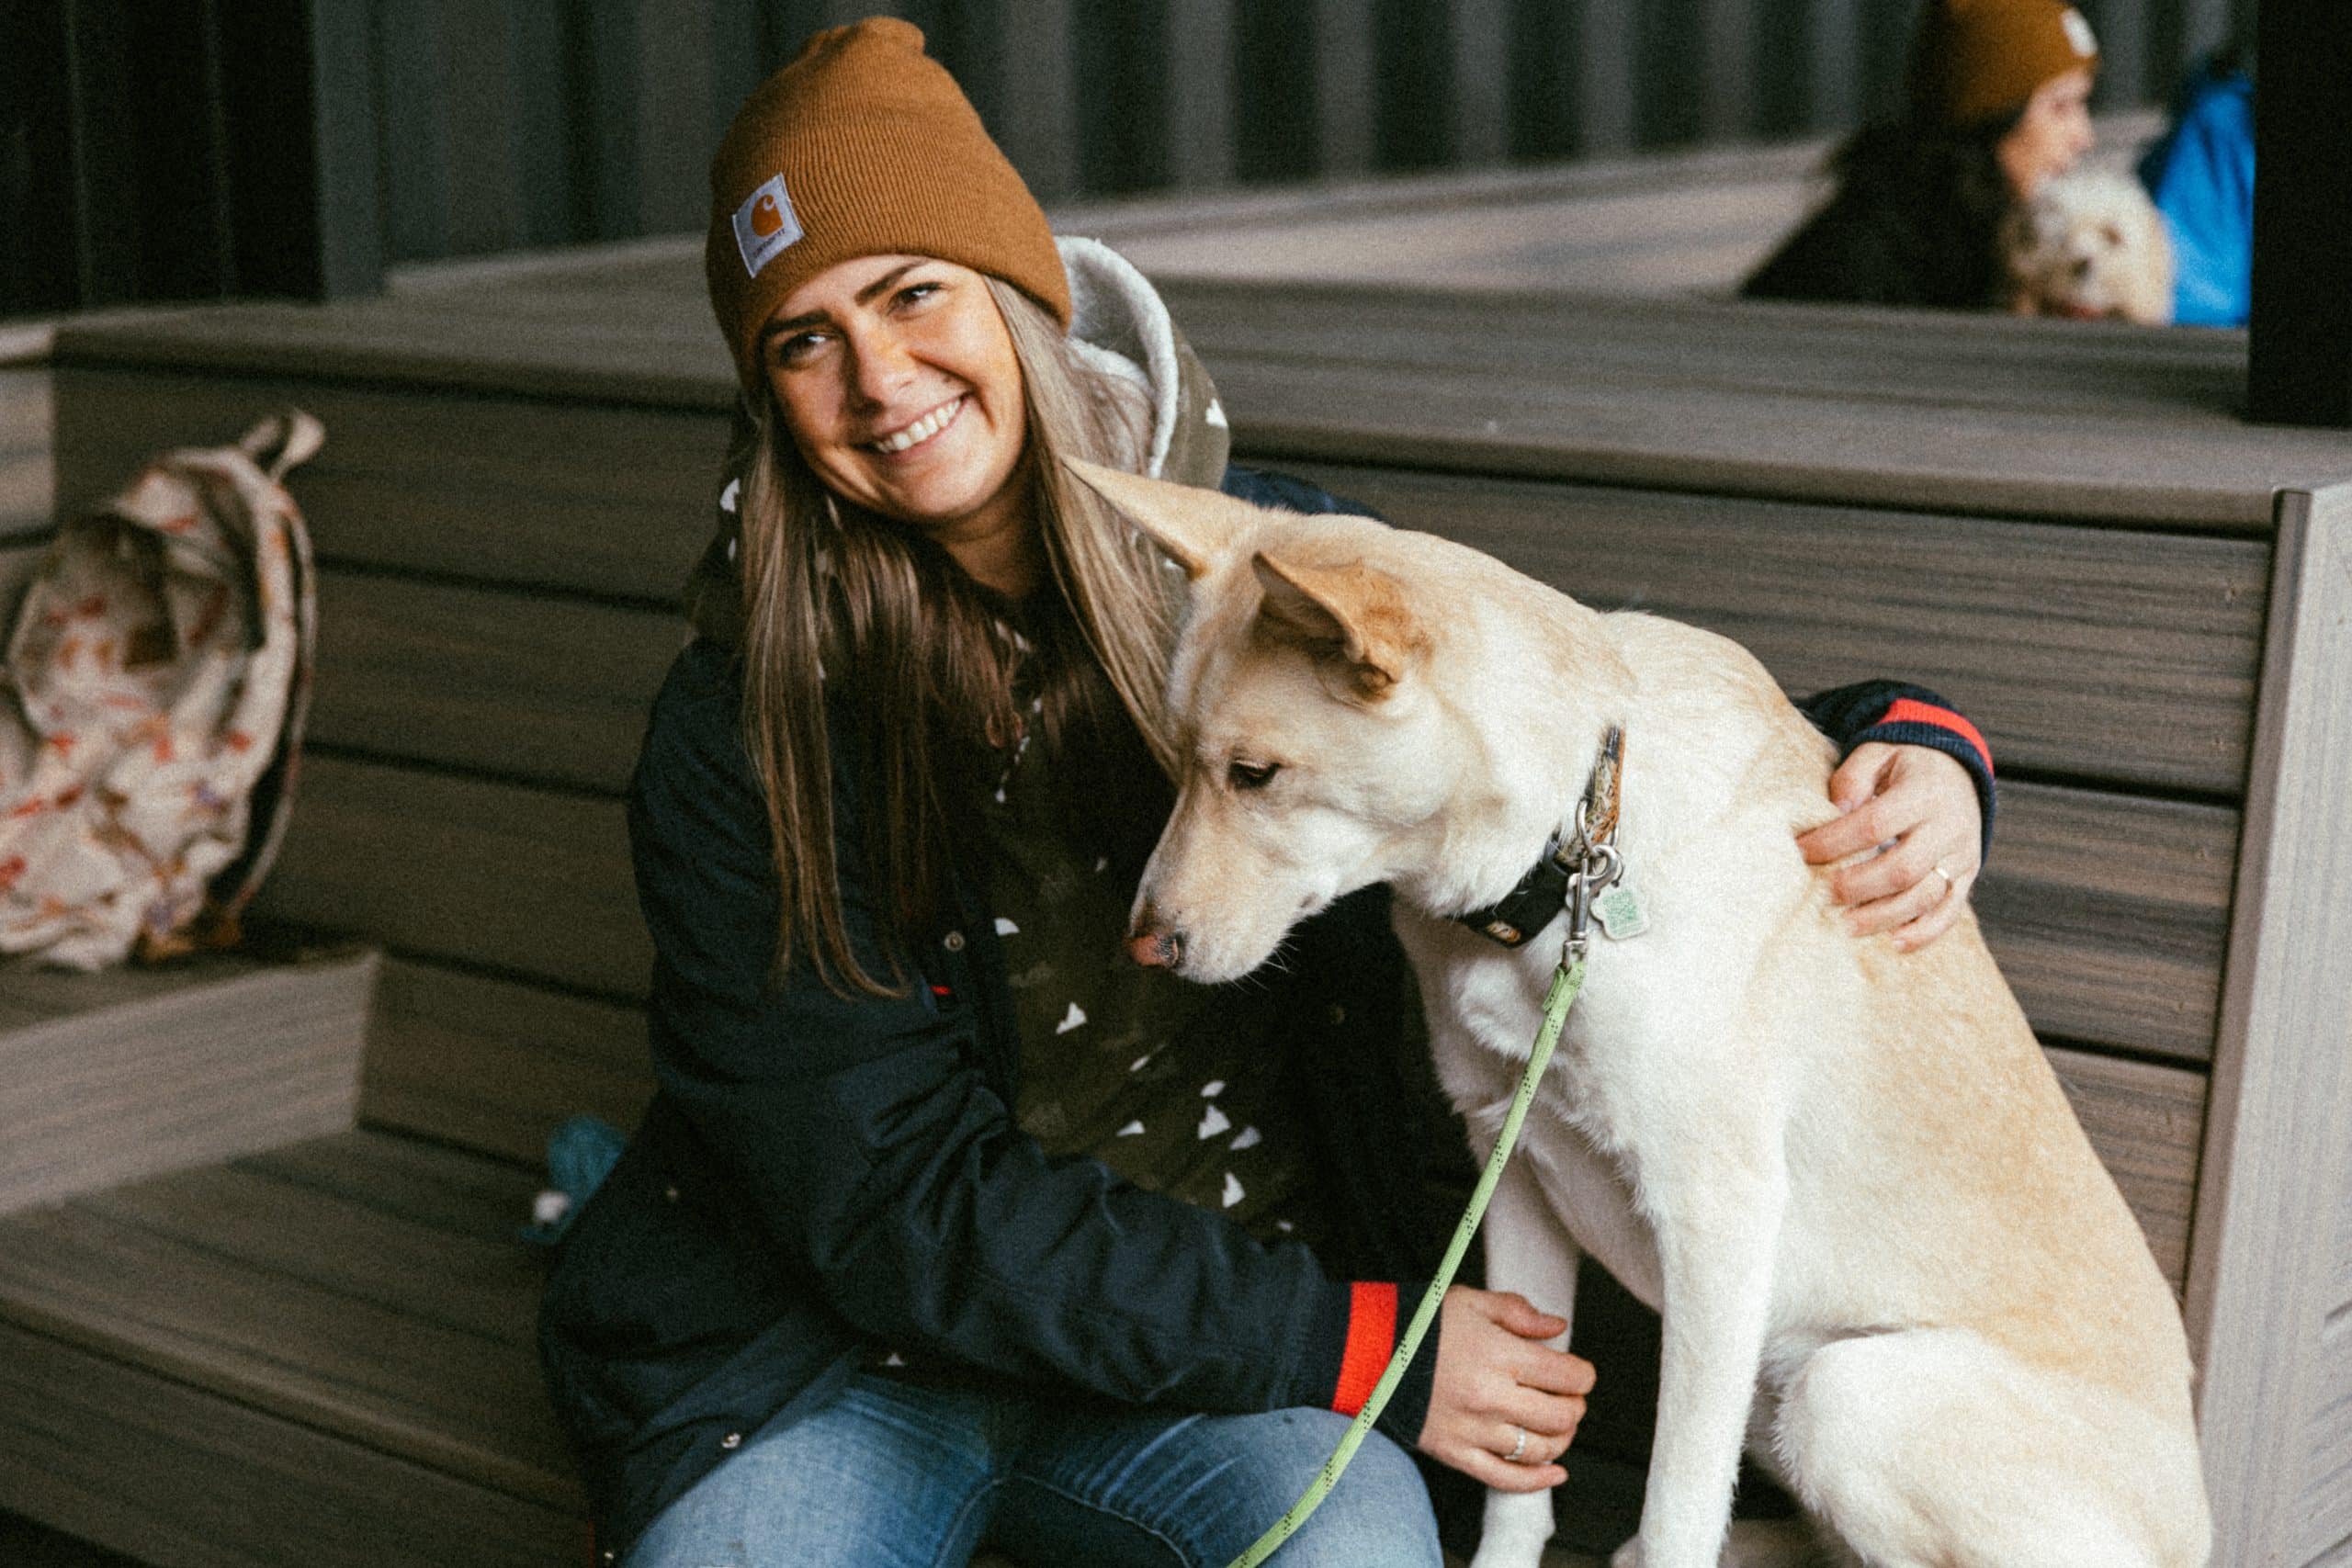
pixel 546 688
pixel 2091 653
pixel 185 1309
pixel 467 869
pixel 148 1465
pixel 475 1281
pixel 2096 653
pixel 495 1064
pixel 2109 915
pixel 608 500
pixel 114 1076
pixel 2147 1122
pixel 1855 451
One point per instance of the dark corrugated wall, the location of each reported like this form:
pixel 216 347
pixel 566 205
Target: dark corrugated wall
pixel 457 127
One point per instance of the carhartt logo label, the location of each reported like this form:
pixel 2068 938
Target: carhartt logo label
pixel 2078 33
pixel 764 226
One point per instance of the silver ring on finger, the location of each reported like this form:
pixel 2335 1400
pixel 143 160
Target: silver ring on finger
pixel 1518 1454
pixel 1949 883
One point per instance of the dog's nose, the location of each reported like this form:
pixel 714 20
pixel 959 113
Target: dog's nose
pixel 1157 949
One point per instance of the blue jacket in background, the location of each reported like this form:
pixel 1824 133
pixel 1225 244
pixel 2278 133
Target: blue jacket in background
pixel 2201 174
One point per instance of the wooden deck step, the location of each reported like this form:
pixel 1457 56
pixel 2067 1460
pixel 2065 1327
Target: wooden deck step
pixel 355 1309
pixel 111 1077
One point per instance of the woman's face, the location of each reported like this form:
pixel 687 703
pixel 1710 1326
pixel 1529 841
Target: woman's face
pixel 2050 137
pixel 897 381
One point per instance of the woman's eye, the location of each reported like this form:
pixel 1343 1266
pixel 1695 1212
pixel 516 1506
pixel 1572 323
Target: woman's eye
pixel 797 348
pixel 1252 775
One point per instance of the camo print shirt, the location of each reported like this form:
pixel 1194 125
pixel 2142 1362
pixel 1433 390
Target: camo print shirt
pixel 1174 1086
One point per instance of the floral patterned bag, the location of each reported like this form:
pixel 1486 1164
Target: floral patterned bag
pixel 152 706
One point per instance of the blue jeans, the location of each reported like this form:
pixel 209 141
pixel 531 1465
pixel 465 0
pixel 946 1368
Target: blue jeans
pixel 894 1474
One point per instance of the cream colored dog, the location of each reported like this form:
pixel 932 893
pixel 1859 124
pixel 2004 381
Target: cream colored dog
pixel 1888 1259
pixel 2091 245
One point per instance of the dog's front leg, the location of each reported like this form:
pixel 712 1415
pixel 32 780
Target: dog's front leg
pixel 1528 1251
pixel 1718 1222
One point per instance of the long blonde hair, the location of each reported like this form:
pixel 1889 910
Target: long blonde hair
pixel 842 606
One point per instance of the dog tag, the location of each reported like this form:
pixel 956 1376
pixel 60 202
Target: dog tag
pixel 1619 913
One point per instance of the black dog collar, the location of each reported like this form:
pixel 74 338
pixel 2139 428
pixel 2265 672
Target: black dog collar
pixel 1521 915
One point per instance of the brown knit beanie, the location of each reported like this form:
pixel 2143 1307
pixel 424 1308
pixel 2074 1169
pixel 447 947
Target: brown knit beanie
pixel 1974 59
pixel 863 146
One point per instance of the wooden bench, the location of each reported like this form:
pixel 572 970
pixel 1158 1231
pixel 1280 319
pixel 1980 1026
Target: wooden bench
pixel 2142 602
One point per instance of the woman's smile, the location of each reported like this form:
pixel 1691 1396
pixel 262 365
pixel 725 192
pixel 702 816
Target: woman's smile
pixel 917 434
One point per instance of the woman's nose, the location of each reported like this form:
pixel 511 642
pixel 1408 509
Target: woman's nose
pixel 879 365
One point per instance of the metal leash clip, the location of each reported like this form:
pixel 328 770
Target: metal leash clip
pixel 1597 868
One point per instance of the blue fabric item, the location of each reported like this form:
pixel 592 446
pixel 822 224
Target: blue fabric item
pixel 897 1474
pixel 2200 174
pixel 580 1153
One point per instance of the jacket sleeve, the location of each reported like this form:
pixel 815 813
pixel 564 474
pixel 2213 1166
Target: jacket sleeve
pixel 877 1153
pixel 1907 716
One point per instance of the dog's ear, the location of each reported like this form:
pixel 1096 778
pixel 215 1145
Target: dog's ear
pixel 1354 612
pixel 1198 528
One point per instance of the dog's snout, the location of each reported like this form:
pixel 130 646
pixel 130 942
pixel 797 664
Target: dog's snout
pixel 1156 949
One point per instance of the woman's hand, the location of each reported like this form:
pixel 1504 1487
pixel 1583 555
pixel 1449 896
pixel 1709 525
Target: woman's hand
pixel 1496 1378
pixel 1922 806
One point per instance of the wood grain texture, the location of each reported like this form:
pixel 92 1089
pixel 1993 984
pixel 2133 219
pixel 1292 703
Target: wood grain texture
pixel 471 870
pixel 2327 1502
pixel 110 1078
pixel 2093 652
pixel 496 1065
pixel 405 1335
pixel 608 500
pixel 542 687
pixel 149 1466
pixel 2109 915
pixel 2146 1121
pixel 2261 1276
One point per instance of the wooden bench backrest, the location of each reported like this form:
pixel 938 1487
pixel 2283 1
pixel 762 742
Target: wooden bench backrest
pixel 498 572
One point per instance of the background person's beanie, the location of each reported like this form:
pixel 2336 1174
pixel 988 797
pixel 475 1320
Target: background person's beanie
pixel 863 146
pixel 1975 60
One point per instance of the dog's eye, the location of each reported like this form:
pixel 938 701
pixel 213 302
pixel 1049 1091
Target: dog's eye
pixel 1252 775
pixel 2112 235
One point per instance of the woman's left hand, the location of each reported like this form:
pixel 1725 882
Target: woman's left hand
pixel 1921 805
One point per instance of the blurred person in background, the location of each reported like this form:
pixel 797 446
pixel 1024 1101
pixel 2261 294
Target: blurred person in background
pixel 1998 104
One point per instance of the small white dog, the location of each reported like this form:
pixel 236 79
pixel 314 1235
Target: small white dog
pixel 2091 245
pixel 1888 1262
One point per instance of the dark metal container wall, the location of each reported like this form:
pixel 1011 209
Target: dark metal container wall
pixel 240 147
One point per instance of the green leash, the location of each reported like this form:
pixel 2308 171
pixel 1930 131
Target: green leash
pixel 1567 981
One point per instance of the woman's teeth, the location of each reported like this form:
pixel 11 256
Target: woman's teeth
pixel 921 430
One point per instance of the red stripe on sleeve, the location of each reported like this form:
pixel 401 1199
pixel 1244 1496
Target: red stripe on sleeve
pixel 1909 710
pixel 1371 1336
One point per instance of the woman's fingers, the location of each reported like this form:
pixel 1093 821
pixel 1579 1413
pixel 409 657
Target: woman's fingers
pixel 1492 1471
pixel 1923 817
pixel 1495 1379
